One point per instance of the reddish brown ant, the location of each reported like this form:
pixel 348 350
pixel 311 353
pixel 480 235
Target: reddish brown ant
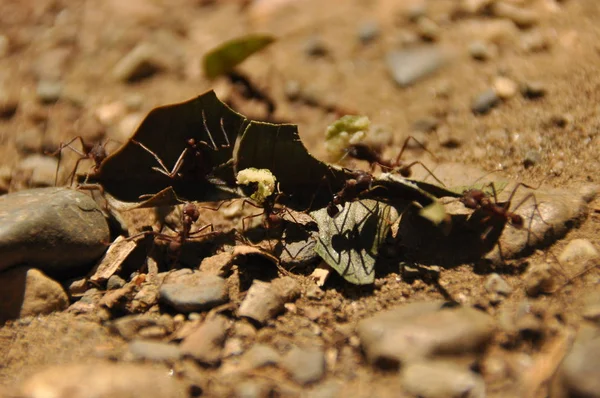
pixel 351 190
pixel 372 156
pixel 95 152
pixel 189 215
pixel 194 154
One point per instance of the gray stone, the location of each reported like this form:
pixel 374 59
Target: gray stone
pixel 194 292
pixel 368 32
pixel 141 62
pixel 36 171
pixel 579 251
pixel 410 65
pixel 205 344
pixel 495 284
pixel 30 140
pixel 540 279
pixel 259 355
pixel 54 229
pixel 103 380
pixel 532 157
pixel 533 89
pixel 579 373
pixel 428 30
pixel 485 101
pixel 115 282
pixel 154 351
pixel 49 91
pixel 305 365
pixel 441 380
pixel 482 51
pixel 410 333
pixel 28 292
pixel 264 300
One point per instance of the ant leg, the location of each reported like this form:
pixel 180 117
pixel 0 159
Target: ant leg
pixel 228 201
pixel 224 134
pixel 207 226
pixel 212 141
pixel 405 145
pixel 163 169
pixel 247 202
pixel 404 169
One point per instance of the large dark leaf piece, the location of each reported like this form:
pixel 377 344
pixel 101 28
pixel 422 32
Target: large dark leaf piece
pixel 128 173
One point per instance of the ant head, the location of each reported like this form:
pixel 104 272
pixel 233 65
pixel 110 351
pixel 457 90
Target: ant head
pixel 191 142
pixel 516 220
pixel 405 172
pixel 364 179
pixel 190 210
pixel 98 153
pixel 332 209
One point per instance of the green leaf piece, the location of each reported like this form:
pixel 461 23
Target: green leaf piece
pixel 350 242
pixel 230 54
pixel 347 130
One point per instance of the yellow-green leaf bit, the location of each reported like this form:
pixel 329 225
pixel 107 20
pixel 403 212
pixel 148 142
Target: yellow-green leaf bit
pixel 264 179
pixel 345 131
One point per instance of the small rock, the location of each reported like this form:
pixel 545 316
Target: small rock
pixel 205 345
pixel 591 310
pixel 141 62
pixel 252 389
pixel 78 287
pixel 49 91
pixel 30 141
pixel 427 29
pixel 315 47
pixel 368 32
pixel 505 87
pixel 426 124
pixel 474 6
pixel 28 292
pixel 495 284
pixel 304 365
pixel 441 380
pixel 54 229
pixel 579 373
pixel 266 300
pixel 8 106
pixel 533 90
pixel 522 17
pixel 109 114
pixel 410 65
pixel 194 292
pixel 485 101
pixel 115 282
pixel 233 347
pixel 36 171
pixel 4 46
pixel 482 51
pixel 410 333
pixel 540 279
pixel 292 90
pixel 589 192
pixel 154 351
pixel 103 380
pixel 535 41
pixel 580 250
pixel 130 326
pixel 52 64
pixel 258 356
pixel 532 157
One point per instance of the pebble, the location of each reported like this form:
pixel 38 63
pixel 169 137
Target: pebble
pixel 130 326
pixel 535 41
pixel 154 351
pixel 205 344
pixel 495 284
pixel 532 157
pixel 265 300
pixel 579 373
pixel 579 250
pixel 410 65
pixel 315 47
pixel 540 279
pixel 533 90
pixel 8 106
pixel 36 171
pixel 305 365
pixel 30 141
pixel 142 62
pixel 474 6
pixel 368 32
pixel 28 292
pixel 54 229
pixel 482 51
pixel 49 91
pixel 522 17
pixel 115 282
pixel 4 46
pixel 505 88
pixel 441 380
pixel 420 330
pixel 258 356
pixel 427 29
pixel 103 380
pixel 195 291
pixel 485 101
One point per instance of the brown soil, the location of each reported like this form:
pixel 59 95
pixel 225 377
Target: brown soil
pixel 95 35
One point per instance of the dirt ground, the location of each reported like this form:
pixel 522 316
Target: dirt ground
pixel 79 43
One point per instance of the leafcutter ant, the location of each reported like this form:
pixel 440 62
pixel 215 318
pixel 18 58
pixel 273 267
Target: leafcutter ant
pixel 351 190
pixel 189 215
pixel 95 152
pixel 372 156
